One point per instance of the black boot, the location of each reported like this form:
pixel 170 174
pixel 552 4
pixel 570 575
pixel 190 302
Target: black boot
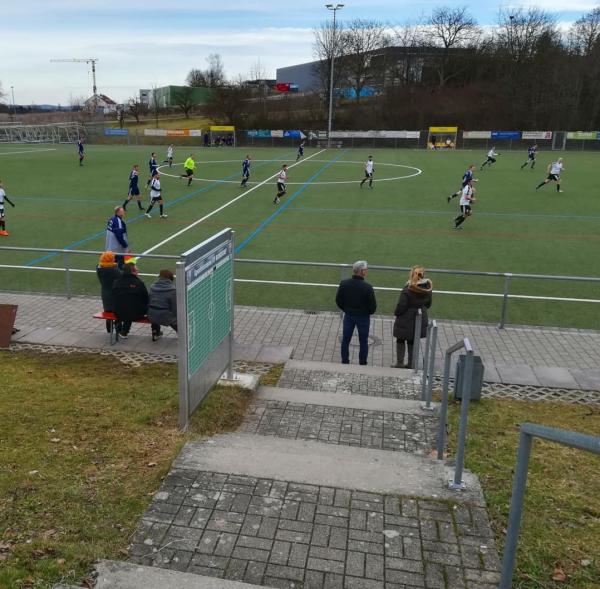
pixel 400 347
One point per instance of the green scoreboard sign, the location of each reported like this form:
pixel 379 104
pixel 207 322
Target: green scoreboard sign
pixel 205 317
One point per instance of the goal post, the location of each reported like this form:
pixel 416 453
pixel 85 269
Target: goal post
pixel 442 137
pixel 50 133
pixel 205 308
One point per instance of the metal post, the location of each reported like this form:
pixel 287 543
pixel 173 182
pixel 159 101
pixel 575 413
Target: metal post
pixel 430 369
pixel 504 311
pixel 334 9
pixel 67 276
pixel 516 510
pixel 182 363
pixel 232 303
pixel 441 441
pixel 417 340
pixel 458 483
pixel 426 361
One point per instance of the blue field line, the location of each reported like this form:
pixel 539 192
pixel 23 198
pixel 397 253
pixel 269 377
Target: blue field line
pixel 445 213
pixel 182 198
pixel 287 203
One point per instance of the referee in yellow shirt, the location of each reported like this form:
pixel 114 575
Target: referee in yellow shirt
pixel 189 167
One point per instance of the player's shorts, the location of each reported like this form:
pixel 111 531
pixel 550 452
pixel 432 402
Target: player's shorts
pixel 245 175
pixel 553 177
pixel 532 157
pixel 189 172
pixel 134 191
pixel 154 199
pixel 300 152
pixel 281 187
pixel 1 211
pixel 465 210
pixel 368 174
pixel 492 160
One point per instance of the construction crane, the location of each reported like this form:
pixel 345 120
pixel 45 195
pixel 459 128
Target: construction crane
pixel 91 60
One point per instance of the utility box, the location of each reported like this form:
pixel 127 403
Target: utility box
pixel 476 379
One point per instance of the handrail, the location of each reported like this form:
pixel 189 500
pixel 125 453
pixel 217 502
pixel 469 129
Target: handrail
pixel 83 252
pixel 429 366
pixel 528 432
pixel 417 340
pixel 457 483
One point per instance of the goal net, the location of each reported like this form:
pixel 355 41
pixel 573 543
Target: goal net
pixel 51 133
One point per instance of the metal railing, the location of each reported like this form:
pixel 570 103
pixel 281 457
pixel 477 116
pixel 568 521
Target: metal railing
pixel 506 296
pixel 528 432
pixel 457 482
pixel 429 365
pixel 417 340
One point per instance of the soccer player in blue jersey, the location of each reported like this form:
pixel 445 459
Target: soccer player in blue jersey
pixel 80 151
pixel 467 177
pixel 246 171
pixel 300 150
pixel 152 167
pixel 531 153
pixel 134 189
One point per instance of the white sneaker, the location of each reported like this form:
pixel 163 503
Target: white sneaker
pixel 163 216
pixel 148 215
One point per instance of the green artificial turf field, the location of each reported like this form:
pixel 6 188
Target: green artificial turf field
pixel 325 217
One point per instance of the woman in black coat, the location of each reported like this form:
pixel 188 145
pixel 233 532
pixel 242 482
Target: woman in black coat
pixel 414 296
pixel 107 273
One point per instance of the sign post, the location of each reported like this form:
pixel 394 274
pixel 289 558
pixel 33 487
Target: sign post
pixel 205 308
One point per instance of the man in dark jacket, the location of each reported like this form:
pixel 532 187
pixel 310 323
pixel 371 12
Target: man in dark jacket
pixel 107 273
pixel 356 298
pixel 130 298
pixel 162 308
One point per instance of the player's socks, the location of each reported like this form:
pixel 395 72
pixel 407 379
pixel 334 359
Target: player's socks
pixel 140 207
pixel 558 188
pixel 190 181
pixel 160 209
pixel 540 185
pixel 124 205
pixel 149 209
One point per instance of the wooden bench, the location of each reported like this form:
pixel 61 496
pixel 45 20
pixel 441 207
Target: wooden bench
pixel 114 334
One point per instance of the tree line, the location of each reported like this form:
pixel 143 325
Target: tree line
pixel 524 72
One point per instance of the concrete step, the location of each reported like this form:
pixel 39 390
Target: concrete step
pixel 335 368
pixel 344 400
pixel 124 575
pixel 329 465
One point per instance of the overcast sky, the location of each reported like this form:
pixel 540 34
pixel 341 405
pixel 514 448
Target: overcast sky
pixel 141 43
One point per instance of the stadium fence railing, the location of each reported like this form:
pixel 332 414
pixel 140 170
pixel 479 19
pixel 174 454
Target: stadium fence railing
pixel 71 277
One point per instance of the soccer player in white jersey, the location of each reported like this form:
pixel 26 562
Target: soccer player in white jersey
pixel 169 159
pixel 466 199
pixel 3 198
pixel 491 158
pixel 369 171
pixel 554 171
pixel 281 183
pixel 156 196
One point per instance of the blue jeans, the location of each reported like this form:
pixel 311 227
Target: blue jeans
pixel 362 323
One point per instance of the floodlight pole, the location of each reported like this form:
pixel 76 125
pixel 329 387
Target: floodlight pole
pixel 334 8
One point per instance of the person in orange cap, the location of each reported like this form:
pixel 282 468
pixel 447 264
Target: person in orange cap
pixel 107 272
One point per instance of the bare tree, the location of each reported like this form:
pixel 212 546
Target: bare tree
pixel 136 108
pixel 584 36
pixel 329 43
pixel 2 93
pixel 362 38
pixel 196 78
pixel 226 103
pixel 184 99
pixel 258 71
pixel 451 28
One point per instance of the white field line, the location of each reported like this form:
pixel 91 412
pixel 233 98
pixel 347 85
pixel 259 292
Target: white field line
pixel 320 284
pixel 27 151
pixel 227 204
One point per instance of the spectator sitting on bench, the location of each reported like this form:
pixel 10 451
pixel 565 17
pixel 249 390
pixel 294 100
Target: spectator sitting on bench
pixel 130 297
pixel 162 308
pixel 107 273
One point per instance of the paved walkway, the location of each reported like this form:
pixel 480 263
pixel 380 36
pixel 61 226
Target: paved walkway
pixel 561 358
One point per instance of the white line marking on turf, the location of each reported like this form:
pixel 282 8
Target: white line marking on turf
pixel 417 172
pixel 26 151
pixel 246 193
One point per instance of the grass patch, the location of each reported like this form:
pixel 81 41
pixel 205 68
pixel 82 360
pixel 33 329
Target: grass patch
pixel 271 378
pixel 561 522
pixel 84 443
